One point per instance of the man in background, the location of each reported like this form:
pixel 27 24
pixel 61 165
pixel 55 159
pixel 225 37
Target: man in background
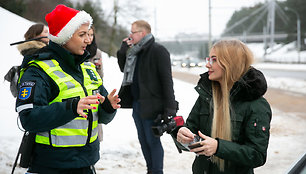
pixel 147 87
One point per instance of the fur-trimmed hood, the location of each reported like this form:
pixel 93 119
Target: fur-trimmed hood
pixel 30 47
pixel 250 87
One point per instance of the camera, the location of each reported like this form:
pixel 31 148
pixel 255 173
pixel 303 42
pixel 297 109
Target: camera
pixel 166 124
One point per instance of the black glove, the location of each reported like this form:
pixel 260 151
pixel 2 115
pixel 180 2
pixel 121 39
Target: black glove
pixel 171 111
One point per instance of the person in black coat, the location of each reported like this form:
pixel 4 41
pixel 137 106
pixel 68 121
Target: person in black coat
pixel 147 87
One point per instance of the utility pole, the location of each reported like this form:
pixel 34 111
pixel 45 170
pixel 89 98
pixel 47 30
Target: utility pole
pixel 209 25
pixel 113 32
pixel 155 19
pixel 265 41
pixel 298 34
pixel 271 23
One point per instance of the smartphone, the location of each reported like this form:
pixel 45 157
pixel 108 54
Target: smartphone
pixel 194 145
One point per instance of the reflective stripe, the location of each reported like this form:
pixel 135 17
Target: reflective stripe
pixel 75 124
pixel 87 63
pixel 59 74
pixel 70 85
pixel 94 131
pixel 46 134
pixel 77 140
pixel 67 141
pixel 95 114
pixel 49 63
pixel 23 107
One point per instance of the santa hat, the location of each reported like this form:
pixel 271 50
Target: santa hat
pixel 64 21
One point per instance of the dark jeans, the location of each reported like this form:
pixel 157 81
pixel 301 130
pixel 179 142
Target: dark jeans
pixel 151 146
pixel 47 170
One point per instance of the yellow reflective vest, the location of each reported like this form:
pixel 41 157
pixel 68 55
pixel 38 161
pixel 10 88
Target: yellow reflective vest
pixel 76 132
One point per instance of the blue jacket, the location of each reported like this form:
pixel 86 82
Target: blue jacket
pixel 44 117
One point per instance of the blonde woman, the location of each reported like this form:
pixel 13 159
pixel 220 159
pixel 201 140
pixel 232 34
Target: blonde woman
pixel 230 115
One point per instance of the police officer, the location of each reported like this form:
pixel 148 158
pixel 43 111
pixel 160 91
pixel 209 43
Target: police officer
pixel 61 98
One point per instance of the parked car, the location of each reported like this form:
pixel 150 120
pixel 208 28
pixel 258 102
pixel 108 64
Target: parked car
pixel 174 62
pixel 185 64
pixel 190 63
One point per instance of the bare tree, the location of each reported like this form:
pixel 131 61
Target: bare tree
pixel 115 11
pixel 36 10
pixel 122 16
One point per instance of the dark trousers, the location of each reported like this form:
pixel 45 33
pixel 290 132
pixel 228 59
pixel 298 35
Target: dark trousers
pixel 47 170
pixel 151 146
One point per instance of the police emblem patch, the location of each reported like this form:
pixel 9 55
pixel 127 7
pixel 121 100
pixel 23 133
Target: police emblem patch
pixel 25 93
pixel 25 90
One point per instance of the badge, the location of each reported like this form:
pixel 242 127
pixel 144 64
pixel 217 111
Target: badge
pixel 25 90
pixel 25 93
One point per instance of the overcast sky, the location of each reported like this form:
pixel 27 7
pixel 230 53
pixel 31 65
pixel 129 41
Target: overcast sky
pixel 175 16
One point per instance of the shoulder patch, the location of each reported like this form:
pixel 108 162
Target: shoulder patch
pixel 25 90
pixel 91 75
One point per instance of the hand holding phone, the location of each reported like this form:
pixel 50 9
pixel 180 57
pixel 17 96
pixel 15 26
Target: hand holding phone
pixel 194 145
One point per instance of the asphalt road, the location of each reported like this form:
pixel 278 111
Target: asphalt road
pixel 284 73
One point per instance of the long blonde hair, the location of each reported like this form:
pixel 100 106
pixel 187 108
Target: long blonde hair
pixel 235 58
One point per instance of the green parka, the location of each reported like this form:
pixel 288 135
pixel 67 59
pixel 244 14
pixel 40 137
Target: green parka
pixel 250 118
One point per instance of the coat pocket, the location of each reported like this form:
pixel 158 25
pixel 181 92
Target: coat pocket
pixel 236 127
pixel 205 122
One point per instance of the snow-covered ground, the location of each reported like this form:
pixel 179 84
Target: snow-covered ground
pixel 120 149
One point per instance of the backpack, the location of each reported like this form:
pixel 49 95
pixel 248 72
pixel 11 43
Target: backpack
pixel 12 76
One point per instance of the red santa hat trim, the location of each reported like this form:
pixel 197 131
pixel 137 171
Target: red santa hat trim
pixel 64 21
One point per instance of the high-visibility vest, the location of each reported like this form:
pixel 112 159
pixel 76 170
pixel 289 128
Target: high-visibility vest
pixel 77 132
